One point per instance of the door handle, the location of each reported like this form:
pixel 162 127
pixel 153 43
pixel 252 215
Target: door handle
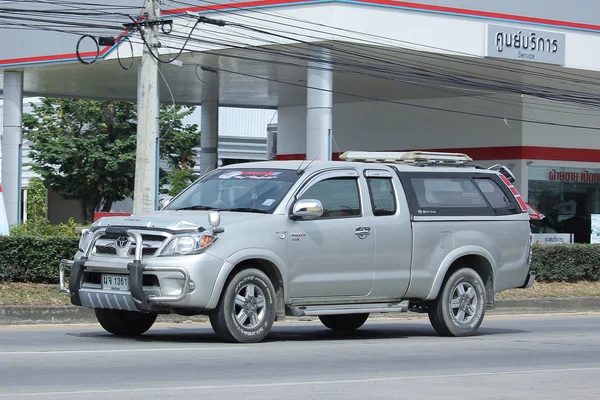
pixel 362 231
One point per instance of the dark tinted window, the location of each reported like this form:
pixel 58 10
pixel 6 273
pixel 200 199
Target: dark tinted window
pixel 447 193
pixel 493 193
pixel 339 196
pixel 382 196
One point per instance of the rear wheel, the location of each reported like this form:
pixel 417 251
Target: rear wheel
pixel 247 308
pixel 344 322
pixel 124 323
pixel 460 306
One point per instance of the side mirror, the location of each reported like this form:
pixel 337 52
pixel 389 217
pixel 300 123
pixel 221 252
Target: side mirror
pixel 307 209
pixel 214 219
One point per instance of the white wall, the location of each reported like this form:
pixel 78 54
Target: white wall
pixel 386 126
pixel 559 136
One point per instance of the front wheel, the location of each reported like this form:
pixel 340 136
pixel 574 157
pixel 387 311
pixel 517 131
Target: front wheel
pixel 460 306
pixel 124 323
pixel 247 308
pixel 344 322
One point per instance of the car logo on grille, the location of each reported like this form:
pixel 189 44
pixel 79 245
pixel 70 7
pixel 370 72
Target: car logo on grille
pixel 122 241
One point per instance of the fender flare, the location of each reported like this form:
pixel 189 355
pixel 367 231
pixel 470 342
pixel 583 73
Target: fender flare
pixel 236 258
pixel 451 258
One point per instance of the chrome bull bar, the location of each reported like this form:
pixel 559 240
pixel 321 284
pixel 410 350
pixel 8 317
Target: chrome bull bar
pixel 136 271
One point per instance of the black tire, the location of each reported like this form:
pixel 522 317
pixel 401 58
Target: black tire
pixel 456 314
pixel 258 316
pixel 344 322
pixel 125 323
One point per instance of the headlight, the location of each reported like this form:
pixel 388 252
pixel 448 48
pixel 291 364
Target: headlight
pixel 85 239
pixel 187 245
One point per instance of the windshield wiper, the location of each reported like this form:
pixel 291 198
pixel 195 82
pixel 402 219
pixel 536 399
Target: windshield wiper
pixel 245 209
pixel 196 208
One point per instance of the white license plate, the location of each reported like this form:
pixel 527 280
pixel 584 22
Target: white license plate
pixel 115 282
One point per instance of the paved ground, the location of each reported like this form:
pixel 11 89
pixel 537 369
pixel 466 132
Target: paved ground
pixel 535 357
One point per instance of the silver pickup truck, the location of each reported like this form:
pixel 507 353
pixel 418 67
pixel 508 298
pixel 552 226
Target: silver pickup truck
pixel 252 243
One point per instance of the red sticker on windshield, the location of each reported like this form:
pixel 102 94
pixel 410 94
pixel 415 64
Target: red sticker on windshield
pixel 250 175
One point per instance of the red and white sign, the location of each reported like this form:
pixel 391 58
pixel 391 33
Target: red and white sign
pixel 574 176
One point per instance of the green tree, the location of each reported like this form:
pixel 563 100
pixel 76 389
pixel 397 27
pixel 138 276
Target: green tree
pixel 177 145
pixel 36 201
pixel 85 150
pixel 180 179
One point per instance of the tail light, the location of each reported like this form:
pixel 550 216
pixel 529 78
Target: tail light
pixel 515 192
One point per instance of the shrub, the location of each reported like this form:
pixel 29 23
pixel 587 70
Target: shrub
pixel 30 258
pixel 567 262
pixel 34 259
pixel 41 227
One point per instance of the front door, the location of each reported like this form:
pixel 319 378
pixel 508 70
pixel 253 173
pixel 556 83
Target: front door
pixel 329 256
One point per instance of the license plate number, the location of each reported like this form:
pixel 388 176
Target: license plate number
pixel 115 282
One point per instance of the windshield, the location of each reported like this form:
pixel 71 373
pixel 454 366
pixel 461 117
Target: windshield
pixel 251 190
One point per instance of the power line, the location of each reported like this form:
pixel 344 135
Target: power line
pixel 433 108
pixel 510 64
pixel 566 95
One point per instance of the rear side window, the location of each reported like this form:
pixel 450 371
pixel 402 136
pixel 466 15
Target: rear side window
pixel 493 193
pixel 383 199
pixel 447 193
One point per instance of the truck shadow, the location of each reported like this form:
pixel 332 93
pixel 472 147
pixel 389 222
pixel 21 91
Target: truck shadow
pixel 295 333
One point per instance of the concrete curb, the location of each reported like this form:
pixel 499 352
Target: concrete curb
pixel 31 315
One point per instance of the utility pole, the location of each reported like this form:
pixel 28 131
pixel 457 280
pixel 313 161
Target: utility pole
pixel 146 180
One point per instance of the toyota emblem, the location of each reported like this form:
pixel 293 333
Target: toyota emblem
pixel 122 241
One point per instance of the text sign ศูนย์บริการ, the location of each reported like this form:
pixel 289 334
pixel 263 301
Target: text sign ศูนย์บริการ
pixel 524 44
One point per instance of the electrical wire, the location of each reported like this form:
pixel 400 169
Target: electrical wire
pixel 422 106
pixel 393 72
pixel 318 28
pixel 518 119
pixel 519 90
pixel 97 50
pixel 433 108
pixel 290 38
pixel 125 38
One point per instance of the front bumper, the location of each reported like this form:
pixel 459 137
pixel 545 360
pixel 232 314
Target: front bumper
pixel 134 300
pixel 186 283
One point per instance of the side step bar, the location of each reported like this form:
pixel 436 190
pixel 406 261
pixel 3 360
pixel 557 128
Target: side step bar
pixel 304 311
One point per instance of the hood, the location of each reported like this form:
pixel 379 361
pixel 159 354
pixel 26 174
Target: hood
pixel 174 220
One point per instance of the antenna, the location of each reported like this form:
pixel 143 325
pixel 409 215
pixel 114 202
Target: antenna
pixel 299 171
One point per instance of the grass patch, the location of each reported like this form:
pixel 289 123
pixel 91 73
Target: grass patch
pixel 31 294
pixel 42 294
pixel 553 290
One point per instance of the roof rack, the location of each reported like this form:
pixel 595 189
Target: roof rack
pixel 427 157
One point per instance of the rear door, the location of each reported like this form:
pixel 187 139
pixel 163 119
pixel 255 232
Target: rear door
pixel 393 234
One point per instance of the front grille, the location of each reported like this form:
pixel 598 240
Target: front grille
pixel 118 245
pixel 106 250
pixel 146 251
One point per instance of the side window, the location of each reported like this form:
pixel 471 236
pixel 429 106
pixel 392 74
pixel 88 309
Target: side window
pixel 447 193
pixel 383 198
pixel 493 193
pixel 339 196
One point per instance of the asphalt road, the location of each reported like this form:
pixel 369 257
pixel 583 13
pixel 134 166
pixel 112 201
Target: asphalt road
pixel 542 357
